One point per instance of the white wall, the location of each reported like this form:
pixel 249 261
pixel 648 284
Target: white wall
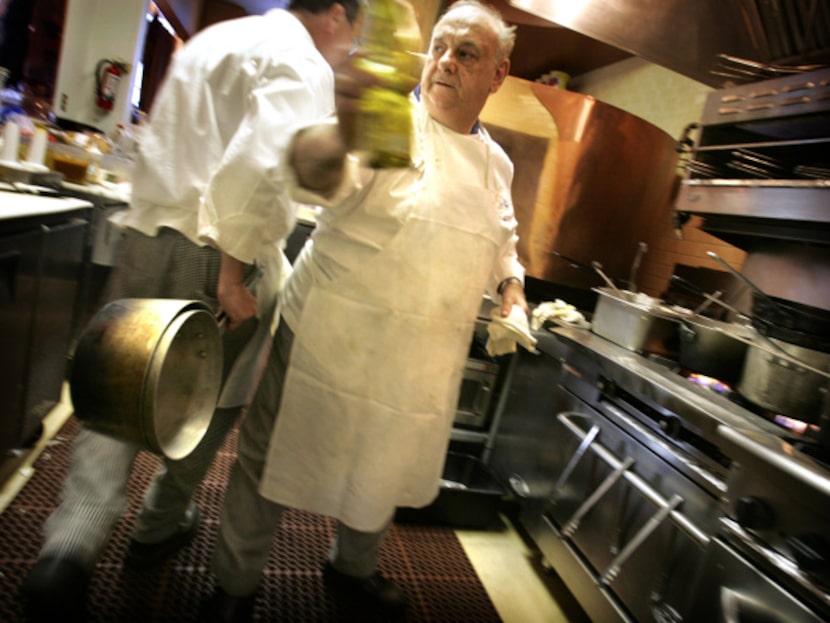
pixel 658 95
pixel 94 30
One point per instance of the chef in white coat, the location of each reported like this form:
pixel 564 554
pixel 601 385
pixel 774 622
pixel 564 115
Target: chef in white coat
pixel 208 216
pixel 354 413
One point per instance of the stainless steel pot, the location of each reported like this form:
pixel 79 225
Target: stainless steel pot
pixel 149 371
pixel 714 348
pixel 789 383
pixel 636 321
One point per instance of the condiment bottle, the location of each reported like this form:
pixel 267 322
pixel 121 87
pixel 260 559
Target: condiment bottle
pixel 390 42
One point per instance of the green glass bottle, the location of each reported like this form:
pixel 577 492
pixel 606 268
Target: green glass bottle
pixel 390 42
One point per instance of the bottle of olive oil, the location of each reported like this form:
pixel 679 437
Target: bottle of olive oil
pixel 390 42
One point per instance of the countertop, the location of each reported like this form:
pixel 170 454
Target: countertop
pixel 117 193
pixel 14 204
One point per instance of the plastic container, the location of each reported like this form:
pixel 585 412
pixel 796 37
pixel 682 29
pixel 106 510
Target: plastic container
pixel 470 496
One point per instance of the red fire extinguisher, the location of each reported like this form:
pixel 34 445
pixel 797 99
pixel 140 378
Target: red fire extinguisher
pixel 107 76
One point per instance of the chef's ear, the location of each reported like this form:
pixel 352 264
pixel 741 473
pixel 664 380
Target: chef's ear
pixel 502 70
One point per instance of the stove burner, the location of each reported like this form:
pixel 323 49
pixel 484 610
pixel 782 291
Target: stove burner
pixel 796 426
pixel 717 386
pixel 802 435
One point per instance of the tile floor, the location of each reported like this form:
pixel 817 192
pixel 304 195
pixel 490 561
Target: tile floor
pixel 508 565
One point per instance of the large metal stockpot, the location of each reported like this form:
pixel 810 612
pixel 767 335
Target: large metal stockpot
pixel 149 371
pixel 785 378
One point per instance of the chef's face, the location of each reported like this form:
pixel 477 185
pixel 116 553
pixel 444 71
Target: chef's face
pixel 340 35
pixel 462 68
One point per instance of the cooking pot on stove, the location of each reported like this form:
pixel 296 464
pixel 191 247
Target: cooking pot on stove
pixel 785 378
pixel 148 371
pixel 714 348
pixel 636 321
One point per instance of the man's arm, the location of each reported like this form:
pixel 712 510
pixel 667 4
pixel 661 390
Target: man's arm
pixel 234 297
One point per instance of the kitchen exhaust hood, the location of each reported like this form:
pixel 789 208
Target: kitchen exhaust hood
pixel 719 43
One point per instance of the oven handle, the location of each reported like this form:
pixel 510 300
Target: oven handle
pixel 481 398
pixel 572 525
pixel 642 534
pixel 782 564
pixel 640 485
pixel 586 442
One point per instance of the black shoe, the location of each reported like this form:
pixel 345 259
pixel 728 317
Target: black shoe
pixel 376 591
pixel 223 608
pixel 146 555
pixel 56 590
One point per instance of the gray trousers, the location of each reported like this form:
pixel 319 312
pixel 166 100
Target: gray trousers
pixel 249 520
pixel 94 495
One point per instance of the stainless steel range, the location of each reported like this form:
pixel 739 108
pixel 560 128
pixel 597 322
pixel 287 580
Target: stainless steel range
pixel 658 499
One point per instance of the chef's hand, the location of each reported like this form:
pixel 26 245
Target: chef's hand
pixel 317 153
pixel 235 300
pixel 349 83
pixel 513 294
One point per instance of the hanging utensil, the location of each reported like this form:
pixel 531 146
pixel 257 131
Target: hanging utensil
pixel 710 298
pixel 598 269
pixel 755 321
pixel 755 289
pixel 642 248
pixel 574 263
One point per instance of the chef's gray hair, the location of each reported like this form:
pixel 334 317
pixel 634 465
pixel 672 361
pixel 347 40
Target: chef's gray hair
pixel 506 34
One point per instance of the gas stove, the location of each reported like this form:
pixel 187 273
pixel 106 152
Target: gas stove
pixel 763 478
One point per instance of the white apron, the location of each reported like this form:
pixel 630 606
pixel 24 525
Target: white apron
pixel 377 360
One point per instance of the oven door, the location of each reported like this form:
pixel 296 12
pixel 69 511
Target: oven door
pixel 476 395
pixel 733 590
pixel 622 518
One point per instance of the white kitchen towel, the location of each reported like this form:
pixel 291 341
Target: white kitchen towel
pixel 559 310
pixel 505 333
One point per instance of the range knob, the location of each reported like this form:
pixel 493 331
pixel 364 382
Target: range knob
pixel 754 513
pixel 811 552
pixel 671 425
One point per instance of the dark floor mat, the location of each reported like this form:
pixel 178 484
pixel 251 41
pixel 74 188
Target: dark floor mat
pixel 428 562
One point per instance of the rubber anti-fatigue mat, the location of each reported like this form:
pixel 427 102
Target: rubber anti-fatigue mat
pixel 428 562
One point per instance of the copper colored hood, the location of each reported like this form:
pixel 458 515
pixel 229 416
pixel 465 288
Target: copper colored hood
pixel 591 180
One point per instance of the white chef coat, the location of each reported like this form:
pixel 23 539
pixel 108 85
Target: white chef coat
pixel 210 163
pixel 220 182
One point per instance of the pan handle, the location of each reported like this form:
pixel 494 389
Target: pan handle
pixel 712 298
pixel 574 263
pixel 746 281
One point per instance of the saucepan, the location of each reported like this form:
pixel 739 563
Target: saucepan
pixel 149 371
pixel 713 347
pixel 636 321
